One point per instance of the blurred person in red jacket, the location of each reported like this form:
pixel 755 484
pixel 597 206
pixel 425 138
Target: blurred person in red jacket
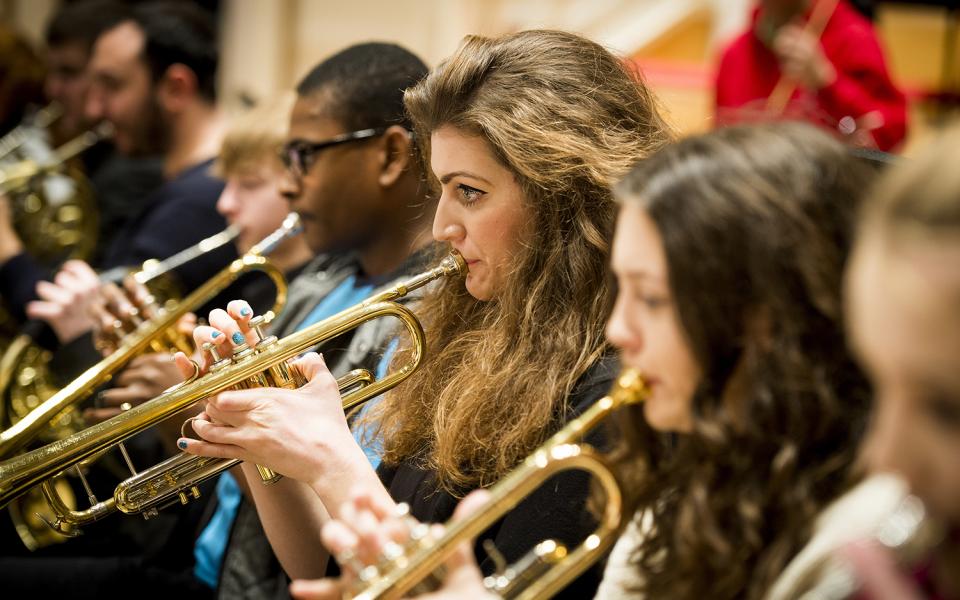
pixel 815 60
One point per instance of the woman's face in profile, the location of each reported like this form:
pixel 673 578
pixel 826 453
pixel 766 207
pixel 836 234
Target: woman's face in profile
pixel 481 212
pixel 905 328
pixel 644 325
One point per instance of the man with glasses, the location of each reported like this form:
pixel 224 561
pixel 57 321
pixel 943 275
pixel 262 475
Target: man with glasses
pixel 353 178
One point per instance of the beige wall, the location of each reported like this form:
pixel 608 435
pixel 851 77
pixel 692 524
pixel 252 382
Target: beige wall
pixel 269 44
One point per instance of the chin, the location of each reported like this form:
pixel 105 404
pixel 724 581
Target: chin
pixel 478 289
pixel 660 418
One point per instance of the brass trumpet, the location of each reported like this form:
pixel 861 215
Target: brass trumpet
pixel 17 436
pixel 25 378
pixel 265 363
pixel 423 555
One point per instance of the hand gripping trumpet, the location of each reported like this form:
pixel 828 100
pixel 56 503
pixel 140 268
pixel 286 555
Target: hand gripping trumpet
pixel 403 570
pixel 264 364
pixel 146 335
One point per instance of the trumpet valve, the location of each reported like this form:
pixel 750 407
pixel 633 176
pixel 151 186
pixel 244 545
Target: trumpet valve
pixel 257 323
pixel 241 352
pixel 187 495
pixel 218 362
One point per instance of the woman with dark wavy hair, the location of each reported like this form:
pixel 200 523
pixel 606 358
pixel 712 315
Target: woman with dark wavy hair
pixel 729 253
pixel 524 136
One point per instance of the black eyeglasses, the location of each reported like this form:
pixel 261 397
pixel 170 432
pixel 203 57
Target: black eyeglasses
pixel 298 155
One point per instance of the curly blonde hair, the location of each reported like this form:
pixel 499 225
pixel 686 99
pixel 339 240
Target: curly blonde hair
pixel 567 118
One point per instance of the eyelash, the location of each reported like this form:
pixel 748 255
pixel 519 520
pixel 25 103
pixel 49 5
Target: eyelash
pixel 467 194
pixel 652 302
pixel 250 184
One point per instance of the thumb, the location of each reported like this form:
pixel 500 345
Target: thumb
pixel 473 502
pixel 188 369
pixel 317 589
pixel 311 365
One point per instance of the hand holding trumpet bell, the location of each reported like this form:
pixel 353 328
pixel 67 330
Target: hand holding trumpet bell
pixel 301 433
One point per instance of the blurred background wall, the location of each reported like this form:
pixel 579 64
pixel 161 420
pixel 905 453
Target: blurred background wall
pixel 268 44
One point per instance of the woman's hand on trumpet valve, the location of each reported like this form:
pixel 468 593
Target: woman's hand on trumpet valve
pixel 299 433
pixel 370 528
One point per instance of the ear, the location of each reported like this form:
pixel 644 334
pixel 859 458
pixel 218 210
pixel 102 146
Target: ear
pixel 177 88
pixel 395 155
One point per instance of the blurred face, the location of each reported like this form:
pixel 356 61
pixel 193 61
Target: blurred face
pixel 66 84
pixel 121 92
pixel 338 197
pixel 907 335
pixel 644 324
pixel 252 200
pixel 481 211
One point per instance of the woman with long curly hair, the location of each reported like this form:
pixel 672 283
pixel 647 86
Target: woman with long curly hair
pixel 729 254
pixel 524 135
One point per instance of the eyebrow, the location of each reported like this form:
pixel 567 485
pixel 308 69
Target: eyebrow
pixel 643 275
pixel 446 178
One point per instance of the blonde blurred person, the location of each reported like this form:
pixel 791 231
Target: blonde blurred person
pixel 903 301
pixel 249 163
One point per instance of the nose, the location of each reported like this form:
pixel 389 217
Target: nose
pixel 53 87
pixel 227 203
pixel 447 225
pixel 93 107
pixel 290 187
pixel 620 332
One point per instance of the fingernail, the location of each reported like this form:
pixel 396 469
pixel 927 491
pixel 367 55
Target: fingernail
pixel 182 444
pixel 215 334
pixel 238 338
pixel 244 311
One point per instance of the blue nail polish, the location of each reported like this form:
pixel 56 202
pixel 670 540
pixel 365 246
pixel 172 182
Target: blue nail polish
pixel 244 311
pixel 215 334
pixel 182 444
pixel 238 338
